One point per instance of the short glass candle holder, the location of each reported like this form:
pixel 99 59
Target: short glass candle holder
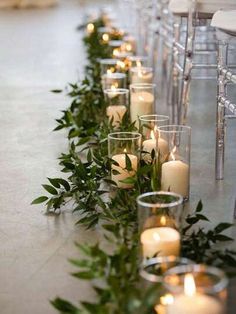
pixel 108 66
pixel 137 61
pixel 141 75
pixel 148 127
pixel 196 289
pixel 175 172
pixel 124 150
pixel 142 101
pixel 104 33
pixel 159 216
pixel 129 44
pixel 152 272
pixel 117 101
pixel 113 80
pixel 121 55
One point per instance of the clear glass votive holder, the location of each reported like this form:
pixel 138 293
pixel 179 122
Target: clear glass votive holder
pixel 142 101
pixel 124 150
pixel 121 55
pixel 148 127
pixel 130 44
pixel 137 61
pixel 108 66
pixel 152 272
pixel 141 75
pixel 117 101
pixel 196 289
pixel 159 216
pixel 175 170
pixel 113 80
pixel 104 33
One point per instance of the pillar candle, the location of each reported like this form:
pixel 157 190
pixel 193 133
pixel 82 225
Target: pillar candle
pixel 175 177
pixel 161 241
pixel 123 173
pixel 141 103
pixel 141 77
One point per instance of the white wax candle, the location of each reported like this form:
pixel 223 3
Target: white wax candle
pixel 175 177
pixel 141 103
pixel 149 145
pixel 123 173
pixel 161 241
pixel 141 77
pixel 116 112
pixel 196 304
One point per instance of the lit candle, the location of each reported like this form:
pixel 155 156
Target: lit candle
pixel 105 38
pixel 117 113
pixel 140 75
pixel 164 301
pixel 191 302
pixel 161 241
pixel 141 103
pixel 124 173
pixel 175 176
pixel 159 144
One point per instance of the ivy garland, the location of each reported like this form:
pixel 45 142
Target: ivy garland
pixel 87 190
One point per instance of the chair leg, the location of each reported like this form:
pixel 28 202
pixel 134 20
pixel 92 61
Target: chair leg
pixel 174 79
pixel 220 113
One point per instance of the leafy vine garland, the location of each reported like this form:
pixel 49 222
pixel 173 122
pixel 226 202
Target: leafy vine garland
pixel 87 190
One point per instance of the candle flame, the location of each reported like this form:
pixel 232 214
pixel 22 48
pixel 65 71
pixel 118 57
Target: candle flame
pixel 121 64
pixel 189 285
pixel 116 52
pixel 105 37
pixel 114 86
pixel 90 28
pixel 156 236
pixel 109 71
pixel 128 47
pixel 125 150
pixel 163 220
pixel 167 299
pixel 172 153
pixel 138 64
pixel 152 135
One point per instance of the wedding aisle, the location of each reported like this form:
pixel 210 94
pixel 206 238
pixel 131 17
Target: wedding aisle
pixel 40 50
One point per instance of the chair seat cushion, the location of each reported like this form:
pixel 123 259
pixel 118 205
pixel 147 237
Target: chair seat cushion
pixel 181 7
pixel 225 20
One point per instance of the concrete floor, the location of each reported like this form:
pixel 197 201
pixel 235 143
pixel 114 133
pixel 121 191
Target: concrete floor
pixel 40 50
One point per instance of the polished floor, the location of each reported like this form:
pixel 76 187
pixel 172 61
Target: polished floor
pixel 40 50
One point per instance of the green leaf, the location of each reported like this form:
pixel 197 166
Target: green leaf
pixel 199 207
pixel 54 182
pixel 50 189
pixel 39 200
pixel 222 226
pixel 65 307
pixel 56 90
pixel 128 164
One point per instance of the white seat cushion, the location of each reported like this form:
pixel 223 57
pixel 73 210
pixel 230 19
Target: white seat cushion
pixel 203 6
pixel 225 20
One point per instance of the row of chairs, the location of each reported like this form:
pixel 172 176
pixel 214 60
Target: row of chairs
pixel 183 32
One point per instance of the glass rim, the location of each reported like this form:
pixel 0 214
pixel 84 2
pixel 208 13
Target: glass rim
pixel 142 86
pixel 197 268
pixel 159 205
pixel 141 68
pixel 156 118
pixel 132 136
pixel 105 29
pixel 174 128
pixel 120 91
pixel 158 261
pixel 115 75
pixel 137 58
pixel 115 41
pixel 108 61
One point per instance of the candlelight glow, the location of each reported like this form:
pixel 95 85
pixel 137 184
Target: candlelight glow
pixel 105 37
pixel 172 153
pixel 114 86
pixel 167 299
pixel 138 64
pixel 140 74
pixel 156 236
pixel 128 47
pixel 121 64
pixel 90 28
pixel 125 150
pixel 116 52
pixel 163 220
pixel 140 98
pixel 189 285
pixel 109 71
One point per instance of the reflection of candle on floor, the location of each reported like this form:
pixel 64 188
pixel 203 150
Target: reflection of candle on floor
pixel 175 176
pixel 141 103
pixel 191 302
pixel 124 173
pixel 161 241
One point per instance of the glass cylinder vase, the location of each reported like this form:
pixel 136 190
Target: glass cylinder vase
pixel 159 216
pixel 196 289
pixel 142 101
pixel 108 65
pixel 148 127
pixel 113 80
pixel 141 75
pixel 124 151
pixel 175 171
pixel 117 101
